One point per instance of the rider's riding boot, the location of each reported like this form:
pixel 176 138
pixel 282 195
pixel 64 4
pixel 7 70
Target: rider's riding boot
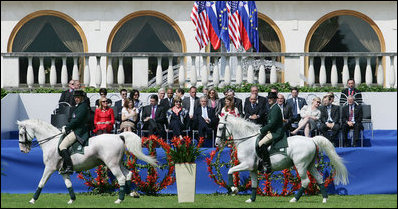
pixel 265 158
pixel 68 167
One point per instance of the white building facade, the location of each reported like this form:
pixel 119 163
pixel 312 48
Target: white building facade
pixel 98 25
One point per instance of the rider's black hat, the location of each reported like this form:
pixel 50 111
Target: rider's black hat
pixel 272 95
pixel 79 93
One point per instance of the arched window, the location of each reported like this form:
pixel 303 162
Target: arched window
pixel 345 31
pixel 145 31
pixel 47 31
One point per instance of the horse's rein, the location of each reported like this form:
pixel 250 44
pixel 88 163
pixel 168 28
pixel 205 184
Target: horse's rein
pixel 36 143
pixel 230 134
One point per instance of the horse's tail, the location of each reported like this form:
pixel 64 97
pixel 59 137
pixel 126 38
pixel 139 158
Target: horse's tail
pixel 337 162
pixel 133 143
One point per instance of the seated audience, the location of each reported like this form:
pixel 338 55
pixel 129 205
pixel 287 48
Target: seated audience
pixel 330 120
pixel 310 116
pixel 104 118
pixel 255 112
pixel 161 94
pixel 286 112
pixel 129 116
pixel 296 103
pixel 177 117
pixel 350 91
pixel 168 102
pixel 237 102
pixel 154 117
pixel 229 107
pixel 206 121
pixel 351 119
pixel 103 92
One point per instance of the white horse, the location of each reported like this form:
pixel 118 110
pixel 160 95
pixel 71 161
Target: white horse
pixel 301 153
pixel 105 149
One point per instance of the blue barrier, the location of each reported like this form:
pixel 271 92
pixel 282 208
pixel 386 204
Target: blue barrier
pixel 372 170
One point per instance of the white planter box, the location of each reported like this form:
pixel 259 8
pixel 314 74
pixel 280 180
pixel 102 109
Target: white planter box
pixel 186 181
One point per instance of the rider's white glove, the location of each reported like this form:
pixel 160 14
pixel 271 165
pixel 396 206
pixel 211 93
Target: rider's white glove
pixel 63 130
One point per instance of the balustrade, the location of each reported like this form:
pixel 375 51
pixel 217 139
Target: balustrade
pixel 185 73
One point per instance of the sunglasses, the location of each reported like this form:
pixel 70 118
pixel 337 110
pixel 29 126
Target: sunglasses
pixel 318 102
pixel 178 102
pixel 103 101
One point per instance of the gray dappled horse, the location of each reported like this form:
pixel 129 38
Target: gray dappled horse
pixel 106 148
pixel 301 152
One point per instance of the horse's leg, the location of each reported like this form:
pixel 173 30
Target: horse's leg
pixel 68 184
pixel 302 170
pixel 46 175
pixel 239 167
pixel 128 184
pixel 319 179
pixel 121 179
pixel 253 177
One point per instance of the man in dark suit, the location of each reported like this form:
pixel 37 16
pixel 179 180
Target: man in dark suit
pixel 296 103
pixel 206 121
pixel 169 100
pixel 119 104
pixel 154 117
pixel 350 91
pixel 351 119
pixel 286 112
pixel 330 120
pixel 237 102
pixel 260 101
pixel 67 95
pixel 254 110
pixel 191 103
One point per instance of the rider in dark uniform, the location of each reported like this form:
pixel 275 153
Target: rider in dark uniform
pixel 272 132
pixel 75 130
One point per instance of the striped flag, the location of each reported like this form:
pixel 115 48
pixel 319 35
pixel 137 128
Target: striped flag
pixel 200 20
pixel 234 23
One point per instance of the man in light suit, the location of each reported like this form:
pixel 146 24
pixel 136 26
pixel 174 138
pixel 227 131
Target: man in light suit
pixel 206 121
pixel 191 103
pixel 296 103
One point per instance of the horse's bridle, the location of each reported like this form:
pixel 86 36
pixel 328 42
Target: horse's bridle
pixel 31 143
pixel 223 136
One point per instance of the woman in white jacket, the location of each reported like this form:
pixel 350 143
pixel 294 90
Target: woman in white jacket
pixel 309 117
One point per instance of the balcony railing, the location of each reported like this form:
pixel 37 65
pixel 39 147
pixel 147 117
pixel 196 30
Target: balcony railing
pixel 188 70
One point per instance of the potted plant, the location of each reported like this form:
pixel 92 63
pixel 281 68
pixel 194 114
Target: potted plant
pixel 184 153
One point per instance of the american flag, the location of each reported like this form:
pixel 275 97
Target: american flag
pixel 199 18
pixel 234 25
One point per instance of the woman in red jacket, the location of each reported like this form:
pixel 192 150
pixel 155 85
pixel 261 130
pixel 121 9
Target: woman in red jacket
pixel 104 118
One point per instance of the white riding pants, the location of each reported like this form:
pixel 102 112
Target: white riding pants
pixel 68 141
pixel 266 140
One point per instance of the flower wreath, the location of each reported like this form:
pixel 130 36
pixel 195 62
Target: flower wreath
pixel 151 186
pixel 291 182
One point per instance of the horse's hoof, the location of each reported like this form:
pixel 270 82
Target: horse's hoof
pixel 118 201
pixel 32 201
pixel 324 200
pixel 249 201
pixel 234 190
pixel 293 200
pixel 135 194
pixel 70 201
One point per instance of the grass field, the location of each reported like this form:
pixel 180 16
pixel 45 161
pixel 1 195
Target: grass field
pixel 47 200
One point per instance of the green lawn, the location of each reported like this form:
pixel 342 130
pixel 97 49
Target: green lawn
pixel 47 200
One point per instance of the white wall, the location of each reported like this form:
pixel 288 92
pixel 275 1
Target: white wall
pixel 24 106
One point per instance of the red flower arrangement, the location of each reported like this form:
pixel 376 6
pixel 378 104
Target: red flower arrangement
pixel 151 185
pixel 289 180
pixel 100 184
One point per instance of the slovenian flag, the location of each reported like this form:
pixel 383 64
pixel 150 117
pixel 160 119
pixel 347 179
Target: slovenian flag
pixel 244 29
pixel 217 23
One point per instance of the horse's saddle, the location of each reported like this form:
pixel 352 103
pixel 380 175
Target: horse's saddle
pixel 279 147
pixel 76 147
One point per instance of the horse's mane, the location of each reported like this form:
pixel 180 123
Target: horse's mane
pixel 243 125
pixel 39 124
